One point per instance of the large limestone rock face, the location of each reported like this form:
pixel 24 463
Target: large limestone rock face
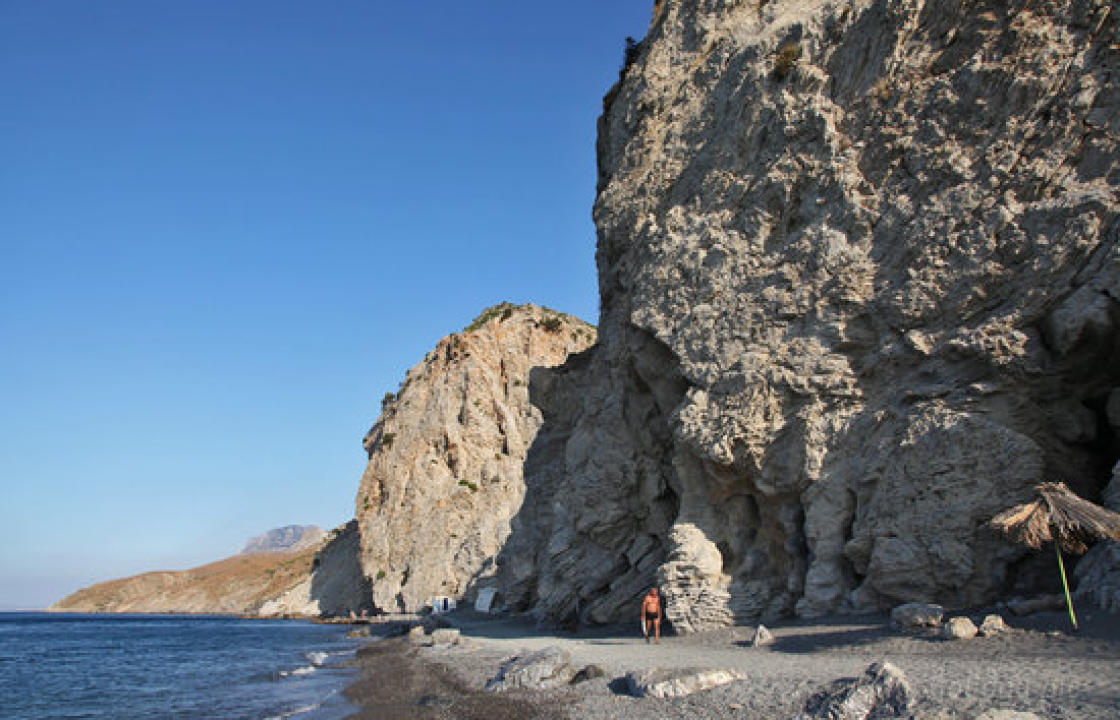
pixel 447 456
pixel 860 275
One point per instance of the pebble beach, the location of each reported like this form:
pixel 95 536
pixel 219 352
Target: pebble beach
pixel 1038 666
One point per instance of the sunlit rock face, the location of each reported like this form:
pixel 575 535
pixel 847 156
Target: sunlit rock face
pixel 859 272
pixel 447 456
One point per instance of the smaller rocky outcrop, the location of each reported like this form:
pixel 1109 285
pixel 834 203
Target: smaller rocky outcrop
pixel 917 615
pixel 448 455
pixel 881 692
pixel 677 682
pixel 540 670
pixel 959 628
pixel 290 538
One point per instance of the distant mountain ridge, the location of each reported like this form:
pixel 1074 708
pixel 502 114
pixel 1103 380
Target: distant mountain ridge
pixel 290 538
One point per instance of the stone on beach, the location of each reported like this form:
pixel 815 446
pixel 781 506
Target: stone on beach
pixel 762 637
pixel 882 692
pixel 959 628
pixel 416 635
pixel 588 672
pixel 446 636
pixel 542 669
pixel 993 625
pixel 677 682
pixel 916 615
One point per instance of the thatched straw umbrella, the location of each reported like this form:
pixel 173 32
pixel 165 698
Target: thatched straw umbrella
pixel 1060 516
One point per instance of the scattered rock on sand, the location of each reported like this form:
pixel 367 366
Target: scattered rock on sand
pixel 1001 714
pixel 445 636
pixel 993 625
pixel 762 636
pixel 416 635
pixel 542 669
pixel 916 615
pixel 589 672
pixel 677 682
pixel 959 628
pixel 882 692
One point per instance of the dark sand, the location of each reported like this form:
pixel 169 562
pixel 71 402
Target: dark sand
pixel 1039 667
pixel 395 682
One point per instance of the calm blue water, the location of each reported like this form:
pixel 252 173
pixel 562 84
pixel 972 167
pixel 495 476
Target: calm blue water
pixel 170 666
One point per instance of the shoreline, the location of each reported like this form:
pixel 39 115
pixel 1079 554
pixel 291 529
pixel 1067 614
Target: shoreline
pixel 1035 667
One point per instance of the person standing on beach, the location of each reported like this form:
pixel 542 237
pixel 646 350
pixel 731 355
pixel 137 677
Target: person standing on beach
pixel 651 615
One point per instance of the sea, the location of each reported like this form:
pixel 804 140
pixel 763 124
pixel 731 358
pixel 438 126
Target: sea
pixel 172 666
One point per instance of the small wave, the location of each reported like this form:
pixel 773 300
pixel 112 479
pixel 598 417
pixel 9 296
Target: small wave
pixel 298 671
pixel 292 713
pixel 317 658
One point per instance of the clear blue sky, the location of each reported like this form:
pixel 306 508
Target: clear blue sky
pixel 228 227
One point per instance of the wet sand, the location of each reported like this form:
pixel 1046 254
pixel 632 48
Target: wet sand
pixel 1038 666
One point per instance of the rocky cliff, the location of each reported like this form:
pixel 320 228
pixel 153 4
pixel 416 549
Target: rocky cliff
pixel 447 455
pixel 860 275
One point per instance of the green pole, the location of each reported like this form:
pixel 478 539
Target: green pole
pixel 1065 584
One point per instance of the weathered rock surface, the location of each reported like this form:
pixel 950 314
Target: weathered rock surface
pixel 677 682
pixel 447 456
pixel 290 538
pixel 881 692
pixel 1098 576
pixel 546 668
pixel 1038 603
pixel 917 615
pixel 959 628
pixel 859 272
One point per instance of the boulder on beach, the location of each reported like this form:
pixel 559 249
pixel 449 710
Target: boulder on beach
pixel 677 682
pixel 917 615
pixel 762 637
pixel 959 628
pixel 446 636
pixel 539 670
pixel 588 672
pixel 993 625
pixel 882 692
